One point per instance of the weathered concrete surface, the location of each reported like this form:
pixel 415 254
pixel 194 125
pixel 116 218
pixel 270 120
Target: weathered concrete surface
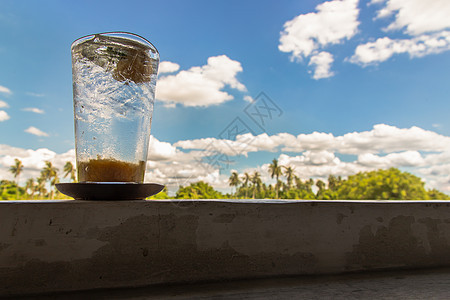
pixel 76 245
pixel 411 284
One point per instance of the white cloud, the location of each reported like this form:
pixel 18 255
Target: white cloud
pixel 424 21
pixel 310 158
pixel 251 143
pixel 168 67
pixel 312 141
pixel 443 157
pixel 212 145
pixel 3 104
pixel 401 159
pixel 437 176
pixel 248 98
pixel 201 86
pixel 311 165
pixel 417 16
pixel 386 138
pixel 322 157
pixel 173 167
pixel 383 146
pixel 4 116
pixel 334 21
pixel 322 63
pixel 306 34
pixel 315 155
pixel 36 131
pixel 5 90
pixel 160 151
pixel 33 161
pixel 384 48
pixel 382 138
pixel 34 110
pixel 425 25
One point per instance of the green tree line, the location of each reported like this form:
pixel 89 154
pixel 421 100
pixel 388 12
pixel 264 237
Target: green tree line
pixel 40 188
pixel 390 184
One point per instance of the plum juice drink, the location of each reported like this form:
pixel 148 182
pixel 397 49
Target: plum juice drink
pixel 114 78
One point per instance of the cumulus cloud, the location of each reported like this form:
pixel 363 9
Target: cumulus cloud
pixel 4 116
pixel 383 146
pixel 312 155
pixel 384 48
pixel 322 65
pixel 320 164
pixel 33 160
pixel 425 22
pixel 173 174
pixel 437 176
pixel 168 67
pixel 313 141
pixel 248 98
pixel 386 138
pixel 213 145
pixel 34 110
pixel 160 151
pixel 382 138
pixel 416 16
pixel 3 104
pixel 334 21
pixel 168 164
pixel 5 90
pixel 35 131
pixel 425 25
pixel 306 34
pixel 401 159
pixel 201 86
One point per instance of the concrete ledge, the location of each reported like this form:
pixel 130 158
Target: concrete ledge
pixel 80 245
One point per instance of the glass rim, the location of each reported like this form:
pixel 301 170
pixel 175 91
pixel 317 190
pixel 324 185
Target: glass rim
pixel 133 36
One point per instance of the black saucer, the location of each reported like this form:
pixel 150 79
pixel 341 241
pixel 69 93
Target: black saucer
pixel 109 191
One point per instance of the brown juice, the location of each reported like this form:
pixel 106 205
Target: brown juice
pixel 110 170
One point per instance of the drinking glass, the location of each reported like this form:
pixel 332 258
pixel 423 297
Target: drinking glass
pixel 114 78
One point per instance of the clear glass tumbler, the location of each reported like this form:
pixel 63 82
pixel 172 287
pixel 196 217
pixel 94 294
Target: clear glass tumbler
pixel 114 79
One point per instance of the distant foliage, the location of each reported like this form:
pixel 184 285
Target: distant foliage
pixel 198 190
pixel 10 191
pixel 391 184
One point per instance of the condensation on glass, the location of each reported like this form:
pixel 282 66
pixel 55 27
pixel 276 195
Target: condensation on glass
pixel 114 78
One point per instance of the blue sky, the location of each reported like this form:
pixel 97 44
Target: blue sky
pixel 359 85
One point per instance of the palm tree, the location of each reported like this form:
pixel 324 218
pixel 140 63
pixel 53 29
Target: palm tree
pixel 321 185
pixel 298 182
pixel 256 182
pixel 69 169
pixel 246 180
pixel 40 186
pixel 289 173
pixel 234 180
pixel 308 184
pixel 334 182
pixel 275 171
pixel 30 186
pixel 53 183
pixel 16 169
pixel 49 172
